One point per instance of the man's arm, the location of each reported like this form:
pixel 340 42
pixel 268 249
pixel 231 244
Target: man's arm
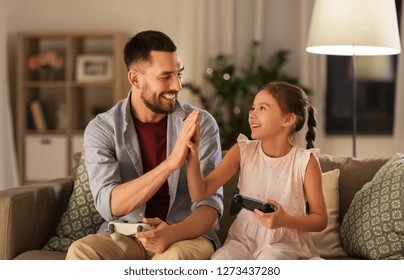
pixel 206 212
pixel 130 195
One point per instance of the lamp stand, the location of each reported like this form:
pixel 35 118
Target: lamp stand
pixel 354 103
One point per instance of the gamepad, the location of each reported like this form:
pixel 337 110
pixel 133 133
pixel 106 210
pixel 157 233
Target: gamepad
pixel 128 229
pixel 240 201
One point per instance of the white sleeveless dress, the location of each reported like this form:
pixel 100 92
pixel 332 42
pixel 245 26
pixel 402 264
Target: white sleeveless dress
pixel 280 179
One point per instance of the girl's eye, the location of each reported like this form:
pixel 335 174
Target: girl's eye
pixel 262 108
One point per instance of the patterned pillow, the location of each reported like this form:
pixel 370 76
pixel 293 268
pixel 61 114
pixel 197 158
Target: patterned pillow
pixel 373 227
pixel 81 218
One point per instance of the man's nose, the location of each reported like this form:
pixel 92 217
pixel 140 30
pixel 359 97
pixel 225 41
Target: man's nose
pixel 176 84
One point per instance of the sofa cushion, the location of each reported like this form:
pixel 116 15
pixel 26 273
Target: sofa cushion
pixel 80 218
pixel 354 173
pixel 328 241
pixel 373 227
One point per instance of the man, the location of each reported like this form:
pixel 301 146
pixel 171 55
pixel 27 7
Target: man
pixel 135 158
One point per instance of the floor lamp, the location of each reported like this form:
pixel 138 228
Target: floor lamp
pixel 354 28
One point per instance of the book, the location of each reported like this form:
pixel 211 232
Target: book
pixel 38 116
pixel 30 118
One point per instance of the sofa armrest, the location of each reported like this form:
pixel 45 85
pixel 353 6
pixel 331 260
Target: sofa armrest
pixel 30 214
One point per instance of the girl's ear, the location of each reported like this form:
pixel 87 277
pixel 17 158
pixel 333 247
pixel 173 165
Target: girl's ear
pixel 289 120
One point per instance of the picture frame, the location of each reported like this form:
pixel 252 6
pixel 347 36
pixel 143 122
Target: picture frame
pixel 94 68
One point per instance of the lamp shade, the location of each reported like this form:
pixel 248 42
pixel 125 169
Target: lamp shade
pixel 354 27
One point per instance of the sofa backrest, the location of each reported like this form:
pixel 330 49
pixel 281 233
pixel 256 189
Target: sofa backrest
pixel 354 173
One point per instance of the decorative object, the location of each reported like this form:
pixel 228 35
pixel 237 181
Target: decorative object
pixel 80 218
pixel 47 64
pixel 234 89
pixel 354 28
pixel 94 68
pixel 373 227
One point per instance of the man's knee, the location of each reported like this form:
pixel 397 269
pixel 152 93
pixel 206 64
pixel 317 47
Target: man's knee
pixel 81 250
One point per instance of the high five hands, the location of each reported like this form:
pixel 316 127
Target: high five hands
pixel 187 140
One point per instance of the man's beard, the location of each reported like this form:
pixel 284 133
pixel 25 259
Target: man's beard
pixel 156 106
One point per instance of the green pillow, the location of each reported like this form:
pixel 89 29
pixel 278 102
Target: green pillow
pixel 373 227
pixel 80 218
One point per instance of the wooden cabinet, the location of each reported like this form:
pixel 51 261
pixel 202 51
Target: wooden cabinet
pixel 63 80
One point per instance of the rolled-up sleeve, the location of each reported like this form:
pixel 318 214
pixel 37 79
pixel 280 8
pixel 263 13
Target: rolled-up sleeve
pixel 102 166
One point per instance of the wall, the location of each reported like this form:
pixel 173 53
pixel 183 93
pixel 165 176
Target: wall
pixel 201 29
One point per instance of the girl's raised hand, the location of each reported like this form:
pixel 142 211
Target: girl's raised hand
pixel 194 141
pixel 271 220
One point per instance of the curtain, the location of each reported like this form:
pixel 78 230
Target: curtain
pixel 313 73
pixel 399 102
pixel 8 162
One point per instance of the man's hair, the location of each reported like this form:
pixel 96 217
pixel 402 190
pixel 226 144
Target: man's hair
pixel 138 47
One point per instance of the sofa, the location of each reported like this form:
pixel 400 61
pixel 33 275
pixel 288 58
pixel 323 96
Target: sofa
pixel 30 215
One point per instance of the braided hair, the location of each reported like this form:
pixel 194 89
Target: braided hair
pixel 292 99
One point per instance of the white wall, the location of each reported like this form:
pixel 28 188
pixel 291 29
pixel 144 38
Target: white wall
pixel 189 23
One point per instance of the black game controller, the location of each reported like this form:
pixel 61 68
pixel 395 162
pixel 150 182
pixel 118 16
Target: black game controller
pixel 240 201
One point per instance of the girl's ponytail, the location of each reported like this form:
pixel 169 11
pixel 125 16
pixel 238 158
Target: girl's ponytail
pixel 311 123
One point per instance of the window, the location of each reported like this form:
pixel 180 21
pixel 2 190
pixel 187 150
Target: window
pixel 375 93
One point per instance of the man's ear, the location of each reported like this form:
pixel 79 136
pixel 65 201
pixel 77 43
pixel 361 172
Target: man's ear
pixel 289 120
pixel 134 77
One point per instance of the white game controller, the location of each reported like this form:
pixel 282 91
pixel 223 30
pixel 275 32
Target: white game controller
pixel 127 229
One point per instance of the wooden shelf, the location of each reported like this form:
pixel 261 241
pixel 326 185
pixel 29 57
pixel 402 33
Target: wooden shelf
pixel 66 103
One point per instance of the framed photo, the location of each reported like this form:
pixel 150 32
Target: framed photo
pixel 94 68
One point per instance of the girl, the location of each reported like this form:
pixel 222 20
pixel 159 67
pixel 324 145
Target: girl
pixel 272 170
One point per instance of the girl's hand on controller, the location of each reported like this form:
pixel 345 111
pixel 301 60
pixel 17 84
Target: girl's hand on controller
pixel 271 220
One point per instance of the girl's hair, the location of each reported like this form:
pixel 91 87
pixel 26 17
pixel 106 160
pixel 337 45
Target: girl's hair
pixel 292 99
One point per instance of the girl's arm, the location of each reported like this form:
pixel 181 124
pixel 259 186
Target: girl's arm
pixel 200 188
pixel 316 220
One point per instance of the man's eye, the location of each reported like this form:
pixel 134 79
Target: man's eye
pixel 165 77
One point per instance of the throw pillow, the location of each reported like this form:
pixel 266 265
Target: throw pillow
pixel 373 227
pixel 328 241
pixel 81 218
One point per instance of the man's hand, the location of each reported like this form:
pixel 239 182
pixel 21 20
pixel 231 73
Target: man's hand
pixel 180 150
pixel 159 238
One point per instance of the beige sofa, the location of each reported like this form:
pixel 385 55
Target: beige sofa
pixel 30 214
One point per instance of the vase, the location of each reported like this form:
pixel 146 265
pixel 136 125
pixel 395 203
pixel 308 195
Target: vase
pixel 47 73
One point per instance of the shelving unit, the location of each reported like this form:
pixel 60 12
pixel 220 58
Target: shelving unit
pixel 68 102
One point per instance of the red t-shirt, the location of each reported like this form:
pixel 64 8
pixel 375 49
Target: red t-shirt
pixel 153 147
